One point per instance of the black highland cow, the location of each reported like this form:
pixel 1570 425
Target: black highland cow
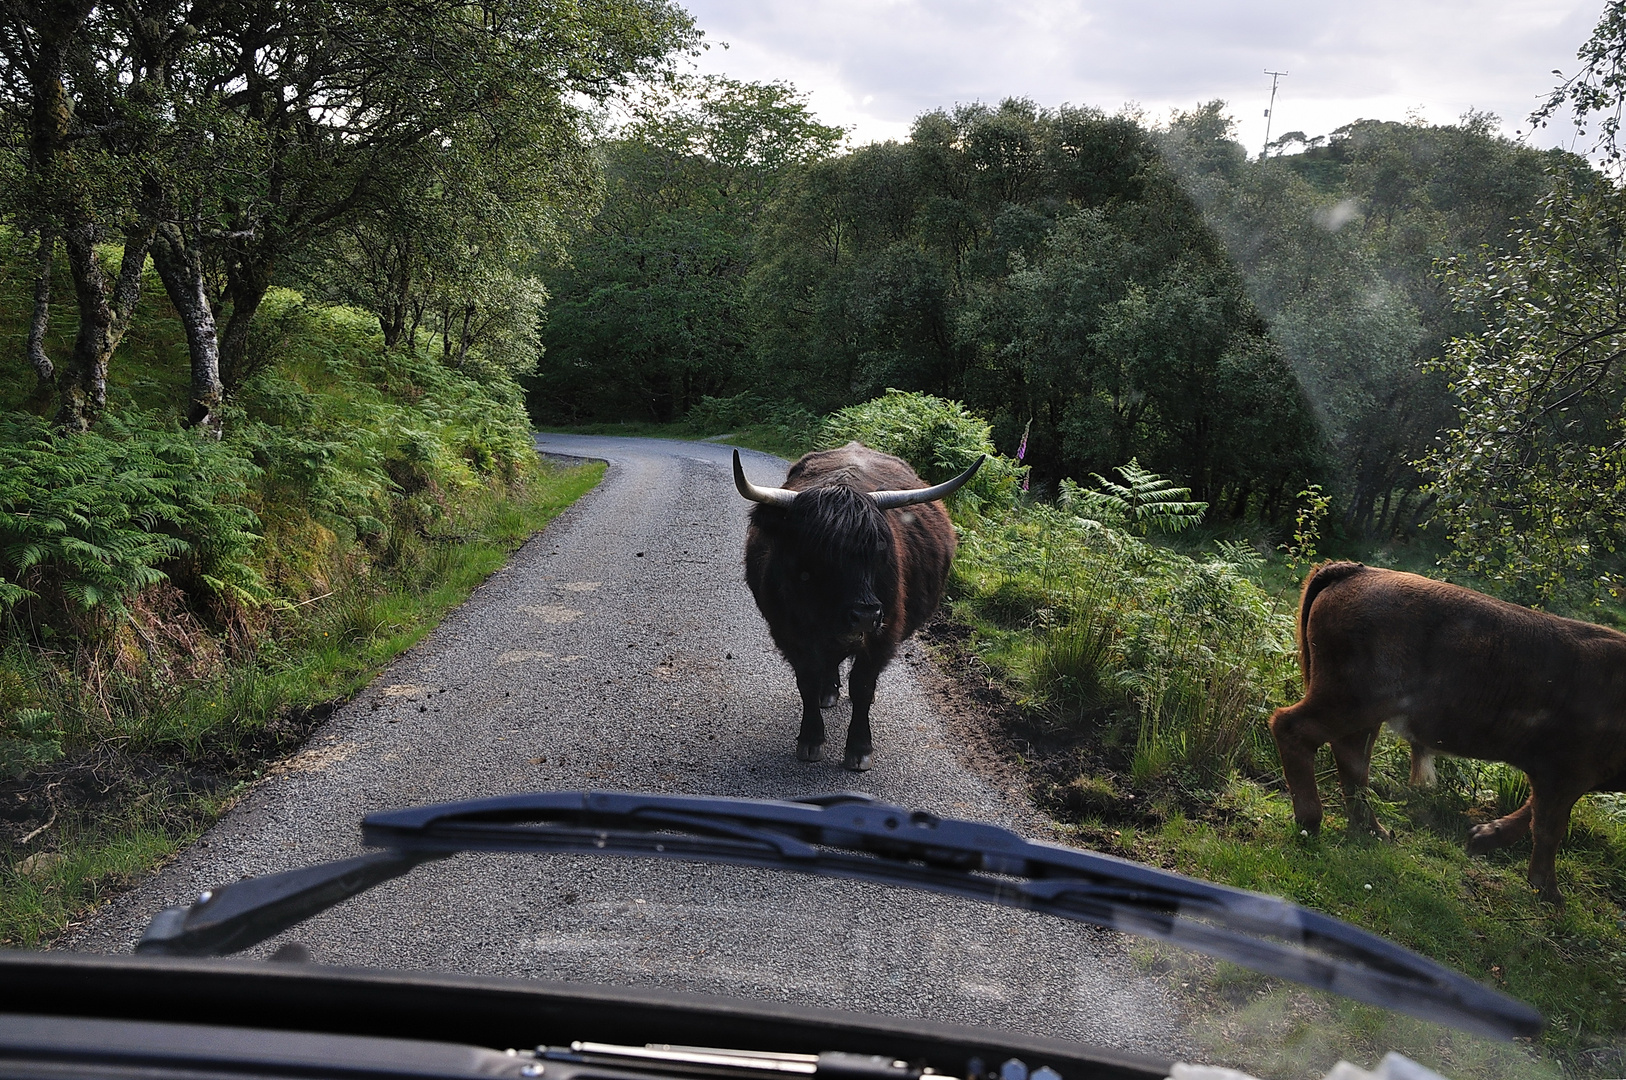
pixel 848 559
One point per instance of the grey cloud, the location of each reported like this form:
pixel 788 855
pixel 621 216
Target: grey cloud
pixel 1347 61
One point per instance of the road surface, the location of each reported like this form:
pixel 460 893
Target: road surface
pixel 620 649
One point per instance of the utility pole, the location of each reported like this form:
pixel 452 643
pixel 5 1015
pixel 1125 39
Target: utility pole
pixel 1274 75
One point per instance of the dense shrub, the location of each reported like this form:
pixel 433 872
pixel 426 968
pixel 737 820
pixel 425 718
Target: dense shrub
pixel 159 586
pixel 94 518
pixel 1179 659
pixel 941 439
pixel 355 435
pixel 792 423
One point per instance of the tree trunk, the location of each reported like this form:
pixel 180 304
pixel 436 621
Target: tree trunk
pixel 180 267
pixel 104 316
pixel 247 282
pixel 42 309
pixel 463 336
pixel 417 320
pixel 1396 524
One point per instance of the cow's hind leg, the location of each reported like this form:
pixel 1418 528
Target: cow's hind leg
pixel 861 693
pixel 1298 736
pixel 810 741
pixel 1550 820
pixel 1353 755
pixel 1501 832
pixel 1422 766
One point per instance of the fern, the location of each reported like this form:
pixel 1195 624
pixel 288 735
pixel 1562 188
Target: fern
pixel 1144 502
pixel 99 516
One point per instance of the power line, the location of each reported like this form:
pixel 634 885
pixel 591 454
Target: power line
pixel 1274 76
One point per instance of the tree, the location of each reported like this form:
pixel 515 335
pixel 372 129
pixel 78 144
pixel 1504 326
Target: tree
pixel 1531 479
pixel 1042 266
pixel 80 86
pixel 1337 246
pixel 143 120
pixel 650 314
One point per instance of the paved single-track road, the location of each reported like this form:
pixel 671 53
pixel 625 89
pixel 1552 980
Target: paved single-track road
pixel 620 649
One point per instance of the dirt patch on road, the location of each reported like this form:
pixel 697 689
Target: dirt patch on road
pixel 991 734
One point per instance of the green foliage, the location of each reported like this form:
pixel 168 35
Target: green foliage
pixel 1181 658
pixel 357 435
pixel 939 438
pixel 1596 94
pixel 1175 661
pixel 94 518
pixel 790 423
pixel 649 317
pixel 1043 267
pixel 1532 478
pixel 1337 245
pixel 1144 502
pixel 1302 550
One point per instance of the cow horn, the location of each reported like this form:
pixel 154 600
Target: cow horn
pixel 891 500
pixel 771 496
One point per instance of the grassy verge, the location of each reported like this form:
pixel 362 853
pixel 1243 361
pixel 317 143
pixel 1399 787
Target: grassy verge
pixel 1138 694
pixel 148 780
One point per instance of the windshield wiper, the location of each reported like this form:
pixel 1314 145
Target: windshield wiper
pixel 853 836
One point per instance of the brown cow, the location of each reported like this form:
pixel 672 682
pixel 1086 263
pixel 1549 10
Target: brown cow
pixel 1456 671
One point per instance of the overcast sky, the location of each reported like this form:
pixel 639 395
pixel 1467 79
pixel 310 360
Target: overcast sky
pixel 874 65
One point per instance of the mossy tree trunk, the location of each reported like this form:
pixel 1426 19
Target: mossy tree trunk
pixel 105 310
pixel 180 267
pixel 41 320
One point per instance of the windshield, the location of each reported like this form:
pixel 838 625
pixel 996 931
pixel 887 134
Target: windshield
pixel 408 404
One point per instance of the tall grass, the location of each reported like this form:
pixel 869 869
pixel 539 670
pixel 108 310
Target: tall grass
pixel 1178 660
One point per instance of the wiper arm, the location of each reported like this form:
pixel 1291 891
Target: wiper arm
pixel 853 836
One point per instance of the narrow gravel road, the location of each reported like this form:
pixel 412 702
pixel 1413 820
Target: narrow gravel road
pixel 620 649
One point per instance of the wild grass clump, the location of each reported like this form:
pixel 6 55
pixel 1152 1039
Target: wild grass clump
pixel 1176 661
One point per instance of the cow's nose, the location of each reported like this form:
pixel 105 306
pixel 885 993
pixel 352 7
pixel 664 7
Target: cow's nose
pixel 866 615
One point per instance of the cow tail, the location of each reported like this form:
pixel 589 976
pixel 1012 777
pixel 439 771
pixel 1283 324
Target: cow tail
pixel 1328 573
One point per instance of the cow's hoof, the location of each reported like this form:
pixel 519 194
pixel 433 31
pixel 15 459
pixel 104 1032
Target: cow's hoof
pixel 828 699
pixel 1547 890
pixel 1371 825
pixel 1310 828
pixel 1486 837
pixel 856 762
pixel 809 751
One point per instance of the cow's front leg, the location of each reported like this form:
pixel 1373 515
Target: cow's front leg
pixel 861 693
pixel 830 693
pixel 1353 756
pixel 810 740
pixel 1297 740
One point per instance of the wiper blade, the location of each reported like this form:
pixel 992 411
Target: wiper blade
pixel 852 836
